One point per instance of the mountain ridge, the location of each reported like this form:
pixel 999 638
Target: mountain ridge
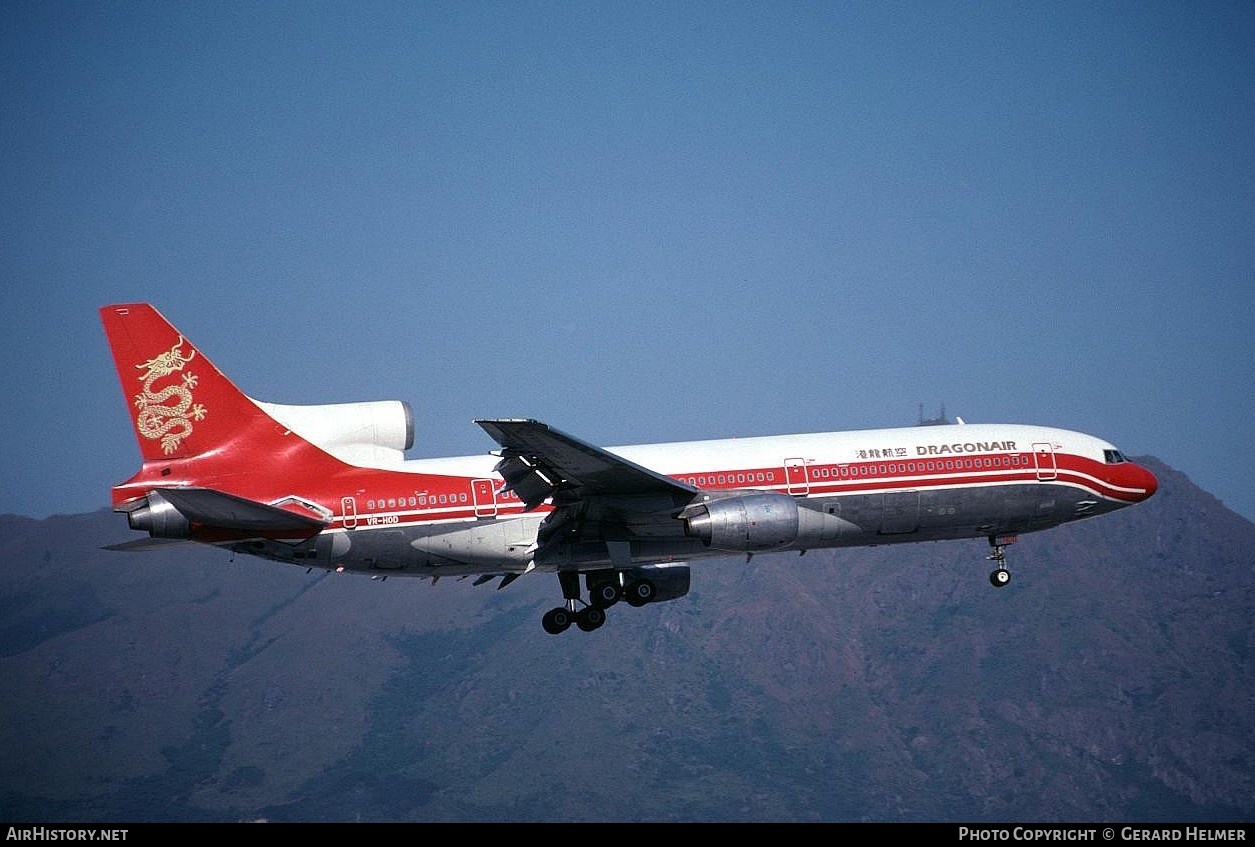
pixel 1111 680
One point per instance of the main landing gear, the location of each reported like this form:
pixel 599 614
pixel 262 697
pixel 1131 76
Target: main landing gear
pixel 998 545
pixel 602 594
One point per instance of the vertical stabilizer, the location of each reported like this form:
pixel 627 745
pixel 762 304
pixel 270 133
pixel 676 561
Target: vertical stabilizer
pixel 193 425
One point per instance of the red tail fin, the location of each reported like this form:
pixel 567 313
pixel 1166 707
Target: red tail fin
pixel 194 427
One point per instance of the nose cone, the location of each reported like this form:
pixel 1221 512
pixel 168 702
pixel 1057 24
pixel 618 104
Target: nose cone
pixel 1148 482
pixel 1129 483
pixel 1142 482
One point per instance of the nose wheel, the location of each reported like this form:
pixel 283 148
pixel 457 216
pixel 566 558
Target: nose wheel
pixel 998 544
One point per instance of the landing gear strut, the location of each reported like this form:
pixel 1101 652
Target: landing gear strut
pixel 588 618
pixel 604 590
pixel 560 618
pixel 998 545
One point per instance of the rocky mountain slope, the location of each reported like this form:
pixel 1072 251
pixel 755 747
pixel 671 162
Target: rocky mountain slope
pixel 1112 680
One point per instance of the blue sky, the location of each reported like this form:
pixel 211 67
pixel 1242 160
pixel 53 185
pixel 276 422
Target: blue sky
pixel 638 222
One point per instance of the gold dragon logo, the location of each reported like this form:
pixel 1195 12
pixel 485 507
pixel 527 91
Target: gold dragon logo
pixel 170 421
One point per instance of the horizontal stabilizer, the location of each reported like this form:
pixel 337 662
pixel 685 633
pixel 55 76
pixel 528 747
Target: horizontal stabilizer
pixel 217 508
pixel 137 544
pixel 172 512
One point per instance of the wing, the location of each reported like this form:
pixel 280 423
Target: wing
pixel 539 462
pixel 596 495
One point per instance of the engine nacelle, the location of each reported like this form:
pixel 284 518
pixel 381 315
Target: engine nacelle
pixel 757 521
pixel 159 518
pixel 375 434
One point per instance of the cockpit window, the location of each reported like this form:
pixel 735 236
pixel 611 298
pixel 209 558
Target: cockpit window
pixel 1113 457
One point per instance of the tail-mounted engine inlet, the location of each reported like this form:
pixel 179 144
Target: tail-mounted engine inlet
pixel 159 518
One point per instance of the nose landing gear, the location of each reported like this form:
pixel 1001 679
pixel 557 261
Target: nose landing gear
pixel 998 544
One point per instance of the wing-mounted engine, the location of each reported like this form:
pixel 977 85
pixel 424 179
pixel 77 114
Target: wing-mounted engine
pixel 755 521
pixel 372 434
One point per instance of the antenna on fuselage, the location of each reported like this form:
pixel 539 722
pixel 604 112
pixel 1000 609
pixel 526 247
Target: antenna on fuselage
pixel 940 420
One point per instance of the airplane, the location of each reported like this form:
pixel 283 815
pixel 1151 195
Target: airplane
pixel 329 487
